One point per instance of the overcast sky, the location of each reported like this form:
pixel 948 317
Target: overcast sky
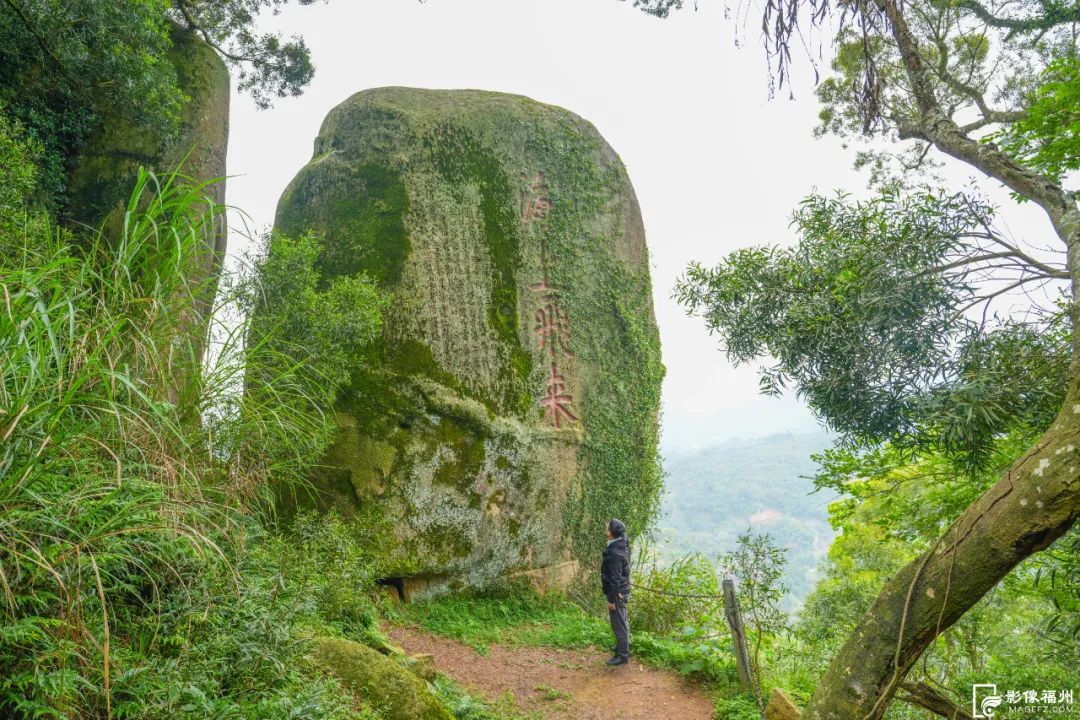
pixel 715 163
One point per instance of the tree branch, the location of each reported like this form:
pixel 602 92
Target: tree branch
pixel 947 136
pixel 194 26
pixel 1027 264
pixel 29 25
pixel 922 695
pixel 1056 16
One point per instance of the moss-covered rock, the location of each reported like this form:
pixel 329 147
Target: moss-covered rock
pixel 512 401
pixel 390 689
pixel 102 176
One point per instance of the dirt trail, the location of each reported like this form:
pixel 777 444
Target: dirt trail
pixel 561 684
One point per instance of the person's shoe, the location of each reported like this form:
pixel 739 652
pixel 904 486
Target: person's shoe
pixel 618 661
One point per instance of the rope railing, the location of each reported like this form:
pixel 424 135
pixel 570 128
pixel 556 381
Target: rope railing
pixel 735 624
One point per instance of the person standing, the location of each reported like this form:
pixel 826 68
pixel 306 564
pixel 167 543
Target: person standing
pixel 615 582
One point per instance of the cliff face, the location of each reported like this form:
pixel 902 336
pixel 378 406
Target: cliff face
pixel 511 404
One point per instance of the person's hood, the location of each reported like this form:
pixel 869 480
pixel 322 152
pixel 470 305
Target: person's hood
pixel 615 541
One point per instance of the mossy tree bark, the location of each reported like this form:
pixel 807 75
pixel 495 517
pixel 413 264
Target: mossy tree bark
pixel 1036 500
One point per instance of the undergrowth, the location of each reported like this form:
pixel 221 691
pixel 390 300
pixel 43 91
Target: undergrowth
pixel 137 576
pixel 676 613
pixel 142 572
pixel 464 706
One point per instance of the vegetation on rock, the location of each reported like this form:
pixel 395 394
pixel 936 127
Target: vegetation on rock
pixel 70 70
pixel 393 692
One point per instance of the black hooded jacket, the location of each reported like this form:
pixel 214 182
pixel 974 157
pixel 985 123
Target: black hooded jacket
pixel 615 569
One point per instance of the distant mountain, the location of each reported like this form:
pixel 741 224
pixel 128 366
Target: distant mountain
pixel 716 493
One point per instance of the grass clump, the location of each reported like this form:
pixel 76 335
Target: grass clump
pixel 464 706
pixel 552 694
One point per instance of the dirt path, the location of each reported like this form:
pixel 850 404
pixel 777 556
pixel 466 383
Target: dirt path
pixel 560 684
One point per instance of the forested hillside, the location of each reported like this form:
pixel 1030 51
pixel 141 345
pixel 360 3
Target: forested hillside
pixel 764 484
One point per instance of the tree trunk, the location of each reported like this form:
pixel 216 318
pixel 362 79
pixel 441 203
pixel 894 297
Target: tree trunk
pixel 1035 502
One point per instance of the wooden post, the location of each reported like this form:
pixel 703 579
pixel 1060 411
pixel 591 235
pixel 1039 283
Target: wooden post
pixel 738 635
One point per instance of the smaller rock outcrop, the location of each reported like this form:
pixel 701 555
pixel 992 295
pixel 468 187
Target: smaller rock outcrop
pixel 394 692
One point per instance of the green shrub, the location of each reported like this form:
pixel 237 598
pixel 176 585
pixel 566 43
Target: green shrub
pixel 660 602
pixel 464 706
pixel 322 558
pixel 739 707
pixel 18 174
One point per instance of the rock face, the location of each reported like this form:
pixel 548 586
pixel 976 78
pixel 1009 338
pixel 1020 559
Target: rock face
pixel 102 176
pixel 512 401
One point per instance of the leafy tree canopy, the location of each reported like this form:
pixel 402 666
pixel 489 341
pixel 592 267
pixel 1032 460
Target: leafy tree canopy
pixel 1048 135
pixel 269 66
pixel 868 317
pixel 659 8
pixel 66 67
pixel 896 509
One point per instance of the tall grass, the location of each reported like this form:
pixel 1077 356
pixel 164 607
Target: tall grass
pixel 99 497
pixel 126 585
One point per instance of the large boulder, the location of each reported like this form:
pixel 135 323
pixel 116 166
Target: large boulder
pixel 512 402
pixel 102 176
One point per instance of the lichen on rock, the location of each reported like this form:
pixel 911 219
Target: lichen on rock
pixel 512 400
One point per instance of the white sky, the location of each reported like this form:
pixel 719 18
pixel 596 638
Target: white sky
pixel 716 165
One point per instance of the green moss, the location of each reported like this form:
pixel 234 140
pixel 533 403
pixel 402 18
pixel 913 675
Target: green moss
pixel 412 357
pixel 368 230
pixel 461 472
pixel 378 402
pixel 391 690
pixel 439 543
pixel 620 471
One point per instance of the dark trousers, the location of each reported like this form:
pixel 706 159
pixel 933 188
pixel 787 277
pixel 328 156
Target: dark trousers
pixel 621 627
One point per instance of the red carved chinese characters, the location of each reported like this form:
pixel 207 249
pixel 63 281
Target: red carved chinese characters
pixel 556 401
pixel 552 329
pixel 538 205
